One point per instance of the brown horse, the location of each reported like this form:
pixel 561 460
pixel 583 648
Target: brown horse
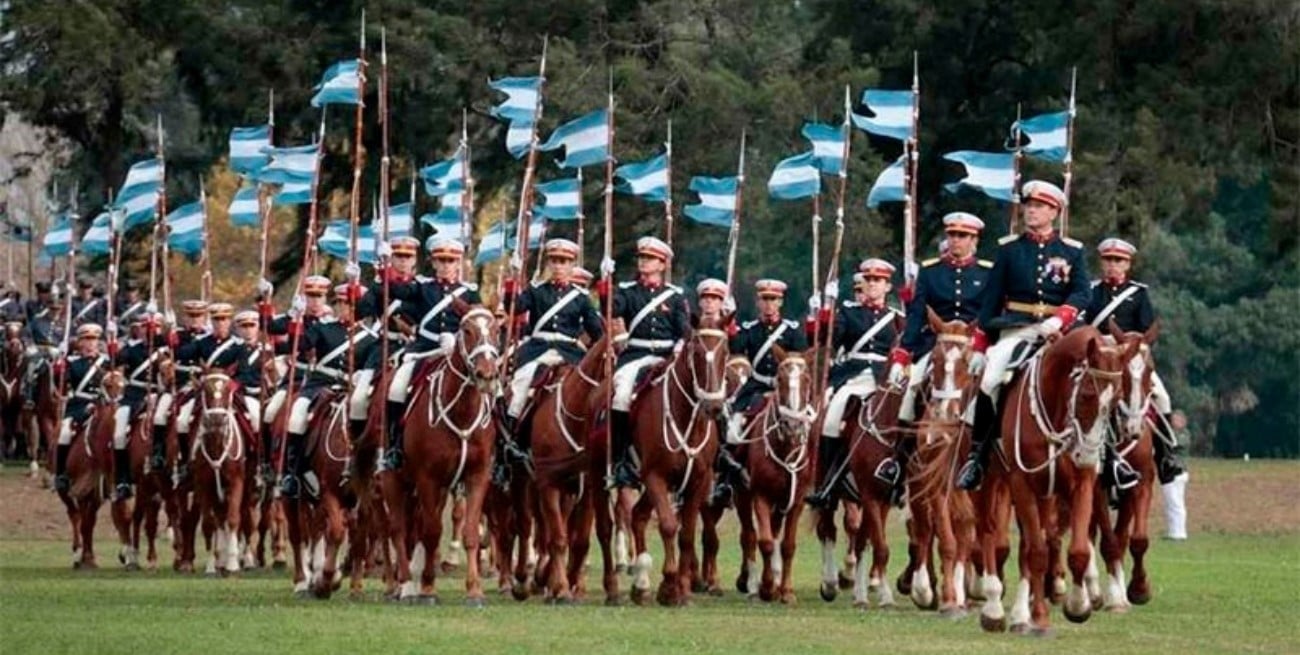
pixel 450 437
pixel 675 433
pixel 1057 406
pixel 220 455
pixel 317 527
pixel 940 510
pixel 264 520
pixel 13 362
pixel 779 455
pixel 42 420
pixel 151 489
pixel 90 468
pixel 1134 443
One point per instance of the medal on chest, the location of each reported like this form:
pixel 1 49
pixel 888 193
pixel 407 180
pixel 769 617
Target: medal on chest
pixel 1058 269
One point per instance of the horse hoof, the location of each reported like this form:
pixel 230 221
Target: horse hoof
pixel 476 602
pixel 640 596
pixel 424 600
pixel 1019 628
pixel 698 587
pixel 519 592
pixel 953 613
pixel 845 582
pixel 993 625
pixel 666 597
pixel 303 594
pixel 356 595
pixel 613 601
pixel 742 583
pixel 1082 617
pixel 828 591
pixel 132 567
pixel 904 584
pixel 1040 632
pixel 716 591
pixel 1118 608
pixel 278 565
pixel 1139 597
pixel 861 605
pixel 788 598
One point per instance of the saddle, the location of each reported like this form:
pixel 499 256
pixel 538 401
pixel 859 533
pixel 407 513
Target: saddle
pixel 1021 356
pixel 650 375
pixel 423 372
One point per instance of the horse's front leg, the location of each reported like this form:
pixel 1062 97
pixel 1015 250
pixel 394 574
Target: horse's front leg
pixel 766 545
pixel 639 519
pixel 656 488
pixel 476 488
pixel 690 518
pixel 789 541
pixel 1078 604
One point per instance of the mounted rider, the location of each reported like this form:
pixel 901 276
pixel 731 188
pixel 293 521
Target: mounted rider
pixel 82 372
pixel 187 361
pixel 657 319
pixel 43 334
pixel 219 349
pixel 88 306
pixel 1037 288
pixel 433 299
pixel 144 347
pixel 1128 301
pixel 129 304
pixel 865 330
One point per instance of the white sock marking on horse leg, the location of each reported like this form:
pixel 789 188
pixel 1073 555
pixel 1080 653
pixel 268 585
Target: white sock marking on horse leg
pixel 456 553
pixel 1115 597
pixel 641 579
pixel 830 571
pixel 959 583
pixel 752 574
pixel 776 564
pixel 922 594
pixel 1091 575
pixel 884 594
pixel 1077 600
pixel 1020 606
pixel 992 588
pixel 861 586
pixel 621 556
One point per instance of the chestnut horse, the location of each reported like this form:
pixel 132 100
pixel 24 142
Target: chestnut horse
pixel 220 455
pixel 317 527
pixel 779 456
pixel 1058 405
pixel 674 431
pixel 90 468
pixel 450 437
pixel 13 361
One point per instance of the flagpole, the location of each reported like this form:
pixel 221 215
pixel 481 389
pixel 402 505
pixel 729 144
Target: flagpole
pixel 525 215
pixel 467 184
pixel 832 275
pixel 815 224
pixel 264 201
pixel 607 275
pixel 1016 156
pixel 383 263
pixel 207 259
pixel 668 199
pixel 912 148
pixel 734 237
pixel 1069 155
pixel 582 219
pixel 355 217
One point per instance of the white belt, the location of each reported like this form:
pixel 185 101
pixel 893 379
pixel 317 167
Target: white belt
pixel 765 379
pixel 138 384
pixel 84 395
pixel 327 371
pixel 652 344
pixel 396 336
pixel 867 357
pixel 553 337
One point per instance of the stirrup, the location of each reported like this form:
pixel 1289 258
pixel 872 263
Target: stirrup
pixel 122 491
pixel 1125 476
pixel 970 476
pixel 888 471
pixel 721 494
pixel 393 459
pixel 311 484
pixel 289 486
pixel 62 482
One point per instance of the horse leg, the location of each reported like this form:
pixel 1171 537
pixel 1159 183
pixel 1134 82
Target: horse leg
pixel 926 517
pixel 991 531
pixel 401 510
pixel 476 488
pixel 656 487
pixel 89 517
pixel 1034 515
pixel 456 549
pixel 708 580
pixel 789 542
pixel 333 530
pixel 521 534
pixel 689 516
pixel 1055 580
pixel 875 511
pixel 234 519
pixel 1139 589
pixel 432 501
pixel 639 519
pixel 579 544
pixel 766 545
pixel 852 524
pixel 599 499
pixel 121 513
pixel 747 580
pixel 825 525
pixel 74 523
pixel 1078 605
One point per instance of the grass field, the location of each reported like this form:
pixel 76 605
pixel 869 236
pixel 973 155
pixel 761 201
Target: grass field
pixel 1232 588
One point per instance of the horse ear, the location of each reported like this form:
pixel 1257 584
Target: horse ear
pixel 1093 350
pixel 1113 328
pixel 779 353
pixel 936 323
pixel 1153 332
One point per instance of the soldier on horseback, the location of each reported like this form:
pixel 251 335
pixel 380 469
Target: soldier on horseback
pixel 138 359
pixel 864 333
pixel 657 318
pixel 1126 300
pixel 713 300
pixel 81 373
pixel 11 309
pixel 88 305
pixel 187 365
pixel 129 304
pixel 1037 288
pixel 219 349
pixel 43 332
pixel 305 311
pixel 433 299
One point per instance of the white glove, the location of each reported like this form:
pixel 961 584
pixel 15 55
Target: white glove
pixel 352 271
pixel 111 329
pixel 516 264
pixel 832 290
pixel 976 366
pixel 814 303
pixel 912 270
pixel 1050 326
pixel 384 250
pixel 170 317
pixel 152 307
pixel 729 304
pixel 298 307
pixel 606 266
pixel 265 288
pixel 898 375
pixel 446 341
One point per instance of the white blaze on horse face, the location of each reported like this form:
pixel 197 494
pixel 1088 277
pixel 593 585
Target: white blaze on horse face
pixel 1133 416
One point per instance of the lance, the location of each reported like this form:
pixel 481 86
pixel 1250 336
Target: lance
pixel 264 212
pixel 1069 155
pixel 734 236
pixel 384 262
pixel 1015 174
pixel 582 219
pixel 912 148
pixel 668 201
pixel 467 184
pixel 354 217
pixel 71 281
pixel 607 272
pixel 207 258
pixel 159 220
pixel 832 275
pixel 816 221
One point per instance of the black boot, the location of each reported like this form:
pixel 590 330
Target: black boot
pixel 1168 464
pixel 61 480
pixel 289 483
pixel 891 471
pixel 983 435
pixel 158 449
pixel 727 475
pixel 122 471
pixel 394 457
pixel 832 452
pixel 625 473
pixel 516 452
pixel 182 457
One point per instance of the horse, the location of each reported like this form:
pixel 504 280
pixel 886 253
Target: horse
pixel 450 438
pixel 705 580
pixel 42 420
pixel 675 433
pixel 264 518
pixel 1058 405
pixel 317 527
pixel 220 455
pixel 778 455
pixel 13 362
pixel 1134 443
pixel 940 510
pixel 90 468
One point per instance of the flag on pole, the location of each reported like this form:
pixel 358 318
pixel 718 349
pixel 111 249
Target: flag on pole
pixel 445 176
pixel 247 145
pixel 95 241
pixel 293 191
pixel 893 113
pixel 795 177
pixel 58 238
pixel 493 244
pixel 585 140
pixel 889 184
pixel 518 137
pixel 185 225
pixel 444 227
pixel 139 193
pixel 1048 135
pixel 289 164
pixel 336 241
pixel 522 96
pixel 828 146
pixel 990 173
pixel 717 200
pixel 243 208
pixel 399 221
pixel 341 85
pixel 560 199
pixel 648 179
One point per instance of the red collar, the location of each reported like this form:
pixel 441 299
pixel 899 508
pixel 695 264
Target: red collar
pixel 874 306
pixel 1115 282
pixel 959 263
pixel 1041 238
pixel 776 320
pixel 649 284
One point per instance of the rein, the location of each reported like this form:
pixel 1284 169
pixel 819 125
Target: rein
pixel 668 423
pixel 439 412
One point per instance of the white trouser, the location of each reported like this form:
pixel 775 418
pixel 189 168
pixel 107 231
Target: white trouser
pixel 121 426
pixel 298 415
pixel 185 417
pixel 65 432
pixel 359 401
pixel 400 387
pixel 999 357
pixel 1175 508
pixel 522 381
pixel 919 374
pixel 274 404
pixel 254 407
pixel 861 385
pixel 625 380
pixel 162 410
pixel 1159 395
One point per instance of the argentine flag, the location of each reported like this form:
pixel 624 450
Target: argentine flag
pixel 518 137
pixel 648 179
pixel 399 221
pixel 336 241
pixel 795 177
pixel 289 164
pixel 186 229
pixel 341 85
pixel 294 191
pixel 893 113
pixel 246 148
pixel 58 238
pixel 96 240
pixel 991 173
pixel 445 176
pixel 522 96
pixel 451 228
pixel 243 208
pixel 717 200
pixel 828 146
pixel 889 184
pixel 1048 136
pixel 139 193
pixel 585 140
pixel 493 244
pixel 561 199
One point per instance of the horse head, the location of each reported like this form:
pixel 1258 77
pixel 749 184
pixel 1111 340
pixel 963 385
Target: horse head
pixel 112 387
pixel 793 393
pixel 1139 367
pixel 705 355
pixel 1094 378
pixel 476 344
pixel 216 395
pixel 950 376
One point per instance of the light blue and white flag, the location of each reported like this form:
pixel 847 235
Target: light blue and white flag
pixel 889 184
pixel 523 94
pixel 717 200
pixel 585 140
pixel 493 244
pixel 186 229
pixel 289 164
pixel 139 193
pixel 445 176
pixel 243 208
pixel 399 221
pixel 992 173
pixel 1048 136
pixel 795 177
pixel 246 148
pixel 58 238
pixel 448 227
pixel 560 200
pixel 828 146
pixel 96 240
pixel 648 179
pixel 294 191
pixel 518 137
pixel 893 113
pixel 336 241
pixel 340 85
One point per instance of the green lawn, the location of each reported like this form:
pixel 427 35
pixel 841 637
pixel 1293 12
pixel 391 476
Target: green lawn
pixel 1217 593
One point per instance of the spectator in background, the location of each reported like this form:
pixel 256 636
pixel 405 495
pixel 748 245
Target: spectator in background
pixel 1175 489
